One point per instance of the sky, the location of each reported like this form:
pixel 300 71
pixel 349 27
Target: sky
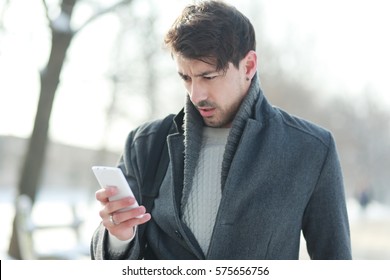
pixel 342 45
pixel 348 41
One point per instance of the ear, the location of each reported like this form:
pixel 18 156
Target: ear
pixel 250 65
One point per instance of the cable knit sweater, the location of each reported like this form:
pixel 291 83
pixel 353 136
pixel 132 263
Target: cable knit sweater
pixel 200 210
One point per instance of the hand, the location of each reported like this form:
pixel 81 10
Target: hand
pixel 120 224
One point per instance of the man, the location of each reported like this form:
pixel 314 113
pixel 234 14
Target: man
pixel 244 178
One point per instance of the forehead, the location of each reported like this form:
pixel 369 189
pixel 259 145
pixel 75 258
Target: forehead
pixel 188 66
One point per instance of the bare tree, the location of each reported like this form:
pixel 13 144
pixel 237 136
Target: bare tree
pixel 61 38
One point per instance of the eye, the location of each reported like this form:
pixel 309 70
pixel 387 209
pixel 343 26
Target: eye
pixel 185 77
pixel 210 77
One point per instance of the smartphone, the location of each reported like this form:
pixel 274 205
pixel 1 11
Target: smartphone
pixel 113 177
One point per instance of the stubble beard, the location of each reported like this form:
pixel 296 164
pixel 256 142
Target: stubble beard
pixel 223 118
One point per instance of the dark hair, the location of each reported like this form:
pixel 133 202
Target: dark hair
pixel 212 31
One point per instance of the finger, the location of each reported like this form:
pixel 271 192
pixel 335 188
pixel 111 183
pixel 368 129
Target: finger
pixel 102 195
pixel 109 208
pixel 123 216
pixel 120 204
pixel 137 221
pixel 126 229
pixel 124 226
pixel 109 222
pixel 121 229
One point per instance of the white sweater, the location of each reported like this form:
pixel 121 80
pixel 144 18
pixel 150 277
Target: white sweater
pixel 201 207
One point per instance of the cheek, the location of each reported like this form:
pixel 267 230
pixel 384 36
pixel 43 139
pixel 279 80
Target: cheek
pixel 231 91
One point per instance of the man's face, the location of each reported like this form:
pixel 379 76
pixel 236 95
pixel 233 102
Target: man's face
pixel 216 94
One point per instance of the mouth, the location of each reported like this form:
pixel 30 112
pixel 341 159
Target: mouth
pixel 206 112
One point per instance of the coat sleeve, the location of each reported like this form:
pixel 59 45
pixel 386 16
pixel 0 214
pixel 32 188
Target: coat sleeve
pixel 134 164
pixel 100 251
pixel 325 222
pixel 99 243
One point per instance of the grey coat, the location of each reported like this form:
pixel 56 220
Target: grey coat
pixel 281 176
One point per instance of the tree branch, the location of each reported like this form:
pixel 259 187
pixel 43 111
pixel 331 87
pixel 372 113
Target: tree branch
pixel 46 11
pixel 102 12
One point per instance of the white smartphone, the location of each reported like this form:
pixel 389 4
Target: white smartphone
pixel 113 177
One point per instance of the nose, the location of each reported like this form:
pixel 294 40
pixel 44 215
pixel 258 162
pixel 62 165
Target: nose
pixel 197 92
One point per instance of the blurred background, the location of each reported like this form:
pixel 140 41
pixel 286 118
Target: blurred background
pixel 77 75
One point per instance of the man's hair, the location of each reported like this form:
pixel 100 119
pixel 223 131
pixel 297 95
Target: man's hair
pixel 213 32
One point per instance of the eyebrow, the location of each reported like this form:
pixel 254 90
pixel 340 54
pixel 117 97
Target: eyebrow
pixel 199 75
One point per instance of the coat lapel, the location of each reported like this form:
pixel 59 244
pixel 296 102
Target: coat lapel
pixel 248 143
pixel 168 205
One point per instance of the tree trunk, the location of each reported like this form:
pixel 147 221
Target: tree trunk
pixel 35 155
